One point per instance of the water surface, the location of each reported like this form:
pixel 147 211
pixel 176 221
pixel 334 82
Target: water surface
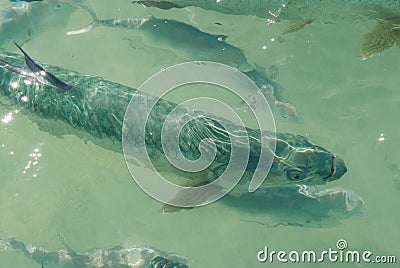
pixel 55 183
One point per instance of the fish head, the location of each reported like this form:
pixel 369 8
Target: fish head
pixel 298 161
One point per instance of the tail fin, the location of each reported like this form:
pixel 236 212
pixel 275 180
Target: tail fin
pixel 124 23
pixel 92 14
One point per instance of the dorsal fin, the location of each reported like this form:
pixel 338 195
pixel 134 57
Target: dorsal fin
pixel 37 68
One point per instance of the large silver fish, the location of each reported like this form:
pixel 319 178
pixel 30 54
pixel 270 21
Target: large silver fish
pixel 199 46
pixel 386 12
pixel 115 257
pixel 97 106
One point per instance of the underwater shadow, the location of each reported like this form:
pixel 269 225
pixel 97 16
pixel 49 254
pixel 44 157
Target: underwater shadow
pixel 298 205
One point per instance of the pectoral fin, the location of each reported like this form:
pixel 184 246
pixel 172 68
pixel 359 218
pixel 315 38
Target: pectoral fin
pixel 190 197
pixel 37 68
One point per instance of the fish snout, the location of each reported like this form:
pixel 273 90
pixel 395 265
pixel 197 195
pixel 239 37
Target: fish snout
pixel 338 169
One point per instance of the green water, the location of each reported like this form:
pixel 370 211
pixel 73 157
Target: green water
pixel 59 184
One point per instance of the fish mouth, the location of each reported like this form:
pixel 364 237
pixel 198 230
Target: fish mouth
pixel 338 169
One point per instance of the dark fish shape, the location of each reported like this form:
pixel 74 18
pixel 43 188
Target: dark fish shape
pixel 199 45
pixel 384 35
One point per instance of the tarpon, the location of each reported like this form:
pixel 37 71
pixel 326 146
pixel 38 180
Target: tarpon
pixel 386 12
pixel 199 46
pixel 115 257
pixel 97 106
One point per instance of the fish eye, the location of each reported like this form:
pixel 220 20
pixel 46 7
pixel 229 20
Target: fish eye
pixel 295 175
